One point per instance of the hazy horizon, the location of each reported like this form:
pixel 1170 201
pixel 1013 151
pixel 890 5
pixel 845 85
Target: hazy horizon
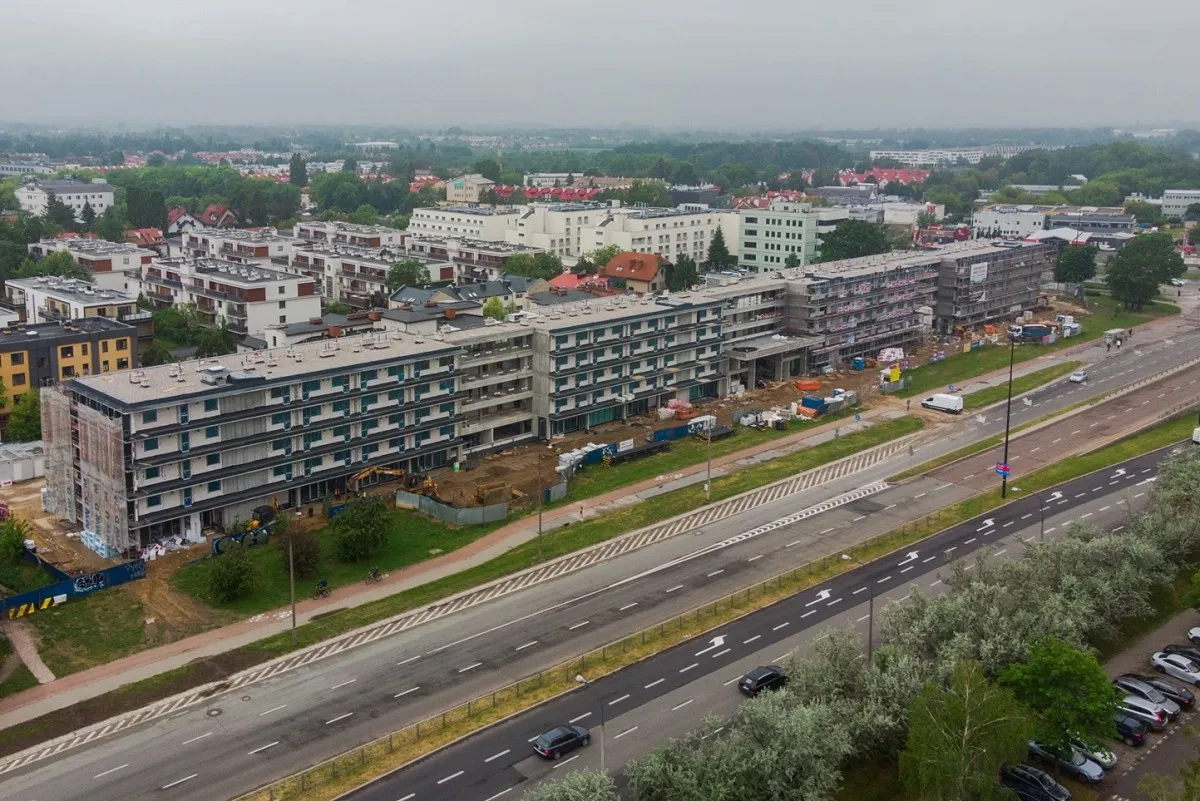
pixel 676 65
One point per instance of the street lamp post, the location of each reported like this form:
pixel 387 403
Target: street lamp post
pixel 292 578
pixel 1041 513
pixel 708 476
pixel 1012 353
pixel 579 678
pixel 870 607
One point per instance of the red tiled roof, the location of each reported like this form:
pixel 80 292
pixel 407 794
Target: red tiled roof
pixel 144 237
pixel 634 266
pixel 213 214
pixel 174 214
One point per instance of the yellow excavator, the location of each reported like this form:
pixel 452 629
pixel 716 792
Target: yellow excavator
pixel 353 482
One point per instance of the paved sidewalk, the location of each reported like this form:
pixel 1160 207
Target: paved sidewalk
pixel 105 678
pixel 25 648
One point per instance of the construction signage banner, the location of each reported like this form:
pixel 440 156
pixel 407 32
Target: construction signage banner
pixel 43 598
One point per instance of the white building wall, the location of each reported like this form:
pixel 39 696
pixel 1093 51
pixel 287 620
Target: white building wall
pixel 1176 201
pixel 1015 224
pixel 768 236
pixel 445 221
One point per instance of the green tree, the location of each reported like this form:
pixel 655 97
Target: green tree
pixel 825 176
pixel 792 260
pixel 337 307
pixel 408 272
pixel 306 551
pixel 1193 235
pixel 1192 212
pixel 488 168
pixel 600 257
pixel 959 736
pixel 87 216
pixel 926 219
pixel 682 274
pixel 718 253
pixel 361 530
pixel 231 576
pixel 59 213
pixel 853 239
pixel 155 354
pixel 57 263
pixel 156 160
pixel 338 191
pixel 146 207
pixel 215 342
pixel 1143 211
pixel 110 226
pixel 1138 269
pixel 542 265
pixel 582 785
pixel 297 171
pixel 13 533
pixel 350 166
pixel 1069 691
pixel 494 308
pixel 25 422
pixel 1076 264
pixel 365 215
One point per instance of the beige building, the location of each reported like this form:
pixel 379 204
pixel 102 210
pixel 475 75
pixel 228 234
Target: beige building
pixel 467 188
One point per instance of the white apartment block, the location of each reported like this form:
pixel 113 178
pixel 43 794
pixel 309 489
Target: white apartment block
pixel 344 233
pixel 20 168
pixel 357 275
pixel 248 298
pixel 1010 222
pixel 1175 202
pixel 548 179
pixel 769 236
pixel 97 255
pixel 474 222
pixel 50 299
pixel 33 195
pixel 949 155
pixel 471 259
pixel 565 229
pixel 262 247
pixel 671 233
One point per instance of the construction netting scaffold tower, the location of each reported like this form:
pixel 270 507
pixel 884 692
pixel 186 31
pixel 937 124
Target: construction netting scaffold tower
pixel 86 449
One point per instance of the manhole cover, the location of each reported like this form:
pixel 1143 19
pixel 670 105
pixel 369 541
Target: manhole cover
pixel 245 698
pixel 212 713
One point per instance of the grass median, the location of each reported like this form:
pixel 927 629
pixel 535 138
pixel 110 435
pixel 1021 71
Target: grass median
pixel 1020 385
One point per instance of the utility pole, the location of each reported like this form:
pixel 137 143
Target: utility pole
pixel 870 607
pixel 708 478
pixel 579 678
pixel 1012 353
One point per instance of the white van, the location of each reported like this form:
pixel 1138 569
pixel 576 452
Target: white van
pixel 944 403
pixel 1196 436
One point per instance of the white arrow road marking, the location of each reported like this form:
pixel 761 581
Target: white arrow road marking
pixel 823 595
pixel 717 642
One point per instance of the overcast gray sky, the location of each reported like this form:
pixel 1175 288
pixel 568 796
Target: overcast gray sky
pixel 716 64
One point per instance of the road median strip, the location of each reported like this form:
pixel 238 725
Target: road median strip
pixel 335 777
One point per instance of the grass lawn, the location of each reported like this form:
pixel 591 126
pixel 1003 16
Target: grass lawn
pixel 1025 383
pixel 90 631
pixel 22 577
pixel 597 480
pixel 960 367
pixel 21 679
pixel 413 539
pixel 573 538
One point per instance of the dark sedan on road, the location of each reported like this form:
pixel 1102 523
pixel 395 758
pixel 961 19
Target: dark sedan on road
pixel 767 677
pixel 1179 695
pixel 1129 729
pixel 561 739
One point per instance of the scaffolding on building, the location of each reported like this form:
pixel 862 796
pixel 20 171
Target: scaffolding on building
pixel 60 457
pixel 103 513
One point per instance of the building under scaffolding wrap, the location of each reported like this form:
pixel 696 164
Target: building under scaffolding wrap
pixel 89 490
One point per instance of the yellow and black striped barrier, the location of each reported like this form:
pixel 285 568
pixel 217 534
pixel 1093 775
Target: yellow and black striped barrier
pixel 23 610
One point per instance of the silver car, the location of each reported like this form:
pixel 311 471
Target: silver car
pixel 1177 666
pixel 1147 712
pixel 1148 692
pixel 1073 762
pixel 1097 753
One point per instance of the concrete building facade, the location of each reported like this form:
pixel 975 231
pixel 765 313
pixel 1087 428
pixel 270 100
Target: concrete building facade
pixel 34 194
pixel 1175 202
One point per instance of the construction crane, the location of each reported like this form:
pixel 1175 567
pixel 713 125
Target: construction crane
pixel 353 482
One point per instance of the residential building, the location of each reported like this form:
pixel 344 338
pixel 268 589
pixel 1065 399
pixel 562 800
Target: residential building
pixel 33 194
pixel 950 155
pixel 545 179
pixel 52 299
pixel 148 238
pixel 1175 202
pixel 217 215
pixel 314 329
pixel 769 236
pixel 472 259
pixel 180 221
pixel 977 285
pixel 1094 219
pixel 262 247
pixel 1008 221
pixel 512 290
pixel 642 273
pixel 846 195
pixel 886 212
pixel 344 233
pixel 473 222
pixel 757 338
pixel 467 188
pixel 248 298
pixel 95 255
pixel 565 229
pixel 671 233
pixel 21 168
pixel 705 195
pixel 353 275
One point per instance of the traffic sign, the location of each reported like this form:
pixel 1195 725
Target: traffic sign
pixel 858 418
pixel 1002 469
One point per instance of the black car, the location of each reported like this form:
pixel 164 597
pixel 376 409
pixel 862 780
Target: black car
pixel 1133 685
pixel 1179 695
pixel 767 677
pixel 1190 651
pixel 560 740
pixel 1130 730
pixel 1030 784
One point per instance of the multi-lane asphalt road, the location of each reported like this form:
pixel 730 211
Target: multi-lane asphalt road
pixel 272 728
pixel 498 761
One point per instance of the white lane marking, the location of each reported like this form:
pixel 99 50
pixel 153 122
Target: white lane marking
pixel 889 506
pixel 339 717
pixel 343 684
pixel 677 707
pixel 451 776
pixel 1026 517
pixel 1009 523
pixel 180 781
pixel 578 625
pixel 752 639
pixel 782 625
pixel 809 612
pixel 1140 494
pixel 834 601
pixel 1118 528
pixel 860 517
pixel 902 600
pixel 731 681
pixel 1086 516
pixel 861 619
pixel 968 542
pixel 490 798
pixel 689 667
pixel 410 659
pixel 622 734
pixel 111 770
pixel 1001 551
pixel 616 701
pixel 269 711
pixel 1035 450
pixel 1104 508
pixel 529 644
pixel 934 584
pixel 406 692
pixel 676 587
pixel 826 531
pixel 1080 495
pixel 410 796
pixel 793 542
pixel 575 719
pixel 566 762
pixel 928 559
pixel 470 667
pixel 1051 529
pixel 263 748
pixel 1055 442
pixel 655 683
pixel 920 495
pixel 860 589
pixel 194 739
pixel 755 558
pixel 942 487
pixel 721 653
pixel 715 573
pixel 951 548
pixel 885 578
pixel 906 569
pixel 1076 431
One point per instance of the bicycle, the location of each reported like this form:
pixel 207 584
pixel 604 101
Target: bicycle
pixel 321 592
pixel 373 577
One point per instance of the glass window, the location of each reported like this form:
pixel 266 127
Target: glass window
pixel 154 500
pixel 150 416
pixel 210 405
pixel 212 459
pixel 151 444
pixel 212 431
pixel 152 472
pixel 214 486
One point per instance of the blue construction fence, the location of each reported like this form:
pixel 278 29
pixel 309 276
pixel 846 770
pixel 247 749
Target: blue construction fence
pixel 68 587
